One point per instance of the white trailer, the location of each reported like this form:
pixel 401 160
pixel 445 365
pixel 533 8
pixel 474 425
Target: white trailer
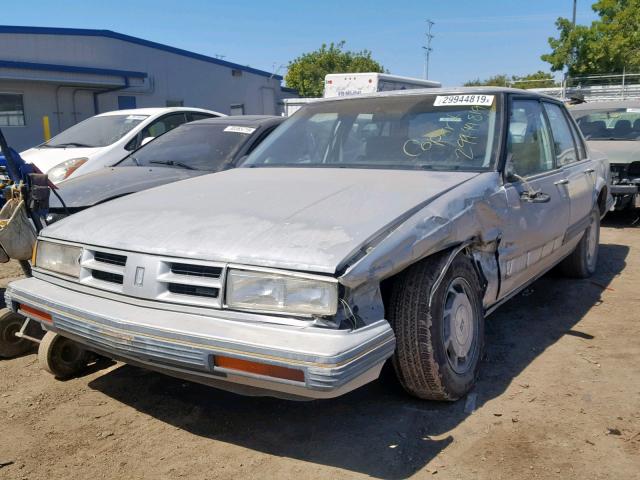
pixel 347 84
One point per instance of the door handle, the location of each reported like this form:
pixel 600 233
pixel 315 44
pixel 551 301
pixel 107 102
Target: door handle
pixel 589 171
pixel 564 181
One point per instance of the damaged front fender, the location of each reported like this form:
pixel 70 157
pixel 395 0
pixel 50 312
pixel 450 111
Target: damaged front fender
pixel 467 218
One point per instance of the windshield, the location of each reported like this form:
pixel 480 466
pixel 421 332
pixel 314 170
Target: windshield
pixel 609 124
pixel 96 131
pixel 192 146
pixel 439 132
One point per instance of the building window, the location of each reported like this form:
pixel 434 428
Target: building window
pixel 236 73
pixel 125 102
pixel 175 103
pixel 11 110
pixel 237 109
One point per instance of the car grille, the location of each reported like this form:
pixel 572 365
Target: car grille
pixel 196 270
pixel 107 276
pixel 103 269
pixel 153 277
pixel 110 258
pixel 193 290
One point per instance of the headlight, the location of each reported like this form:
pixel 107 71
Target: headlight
pixel 65 169
pixel 254 290
pixel 58 258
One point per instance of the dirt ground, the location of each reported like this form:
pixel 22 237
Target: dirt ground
pixel 558 397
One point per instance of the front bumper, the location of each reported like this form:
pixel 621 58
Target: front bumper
pixel 624 189
pixel 184 345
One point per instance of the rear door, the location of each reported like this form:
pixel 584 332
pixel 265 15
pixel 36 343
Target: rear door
pixel 579 176
pixel 538 204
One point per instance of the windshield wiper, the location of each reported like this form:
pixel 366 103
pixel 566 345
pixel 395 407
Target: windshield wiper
pixel 70 144
pixel 172 163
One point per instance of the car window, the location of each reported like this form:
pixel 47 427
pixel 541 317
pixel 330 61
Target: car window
pixel 192 147
pixel 582 150
pixel 163 125
pixel 562 137
pixel 431 132
pixel 529 143
pixel 615 123
pixel 98 131
pixel 193 116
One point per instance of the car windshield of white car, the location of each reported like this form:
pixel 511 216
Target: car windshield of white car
pixel 96 132
pixel 609 124
pixel 196 146
pixel 415 131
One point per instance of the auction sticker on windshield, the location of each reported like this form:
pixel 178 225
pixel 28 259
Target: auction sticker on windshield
pixel 236 129
pixel 443 100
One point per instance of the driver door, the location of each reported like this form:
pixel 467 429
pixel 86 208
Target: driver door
pixel 537 200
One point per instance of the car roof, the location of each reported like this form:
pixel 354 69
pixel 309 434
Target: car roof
pixel 442 91
pixel 243 120
pixel 606 105
pixel 156 111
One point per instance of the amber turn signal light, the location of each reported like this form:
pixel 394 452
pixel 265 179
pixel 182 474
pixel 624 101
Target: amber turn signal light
pixel 36 314
pixel 258 368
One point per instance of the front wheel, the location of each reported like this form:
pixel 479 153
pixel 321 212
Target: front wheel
pixel 581 263
pixel 438 346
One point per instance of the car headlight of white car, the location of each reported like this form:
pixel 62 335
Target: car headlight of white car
pixel 65 169
pixel 58 257
pixel 280 292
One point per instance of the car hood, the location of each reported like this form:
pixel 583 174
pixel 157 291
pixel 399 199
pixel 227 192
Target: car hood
pixel 107 183
pixel 46 158
pixel 298 218
pixel 617 151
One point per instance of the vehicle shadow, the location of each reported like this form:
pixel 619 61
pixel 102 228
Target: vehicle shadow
pixel 377 430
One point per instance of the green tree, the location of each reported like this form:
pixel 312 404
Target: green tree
pixel 306 73
pixel 609 45
pixel 538 79
pixel 495 81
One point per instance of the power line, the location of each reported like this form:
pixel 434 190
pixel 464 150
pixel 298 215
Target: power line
pixel 427 48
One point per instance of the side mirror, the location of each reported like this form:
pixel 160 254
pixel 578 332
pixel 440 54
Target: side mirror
pixel 146 140
pixel 509 172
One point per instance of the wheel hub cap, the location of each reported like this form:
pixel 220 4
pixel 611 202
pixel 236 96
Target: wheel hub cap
pixel 460 329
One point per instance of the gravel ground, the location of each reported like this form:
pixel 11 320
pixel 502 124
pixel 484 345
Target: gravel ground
pixel 559 397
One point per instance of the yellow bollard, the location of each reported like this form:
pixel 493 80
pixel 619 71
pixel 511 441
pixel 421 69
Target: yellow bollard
pixel 46 129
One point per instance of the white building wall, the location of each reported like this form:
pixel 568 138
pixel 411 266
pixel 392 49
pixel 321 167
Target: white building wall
pixel 171 77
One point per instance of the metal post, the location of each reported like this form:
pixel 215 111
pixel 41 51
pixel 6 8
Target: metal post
pixel 427 49
pixel 46 128
pixel 574 13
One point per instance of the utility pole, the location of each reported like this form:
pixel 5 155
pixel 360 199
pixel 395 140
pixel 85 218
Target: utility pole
pixel 574 13
pixel 427 48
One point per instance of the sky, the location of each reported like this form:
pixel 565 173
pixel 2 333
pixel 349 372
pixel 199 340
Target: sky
pixel 472 38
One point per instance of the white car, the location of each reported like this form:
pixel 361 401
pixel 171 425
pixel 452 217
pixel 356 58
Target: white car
pixel 105 139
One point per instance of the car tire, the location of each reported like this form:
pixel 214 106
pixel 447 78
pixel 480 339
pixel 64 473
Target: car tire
pixel 10 324
pixel 61 357
pixel 438 346
pixel 581 263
